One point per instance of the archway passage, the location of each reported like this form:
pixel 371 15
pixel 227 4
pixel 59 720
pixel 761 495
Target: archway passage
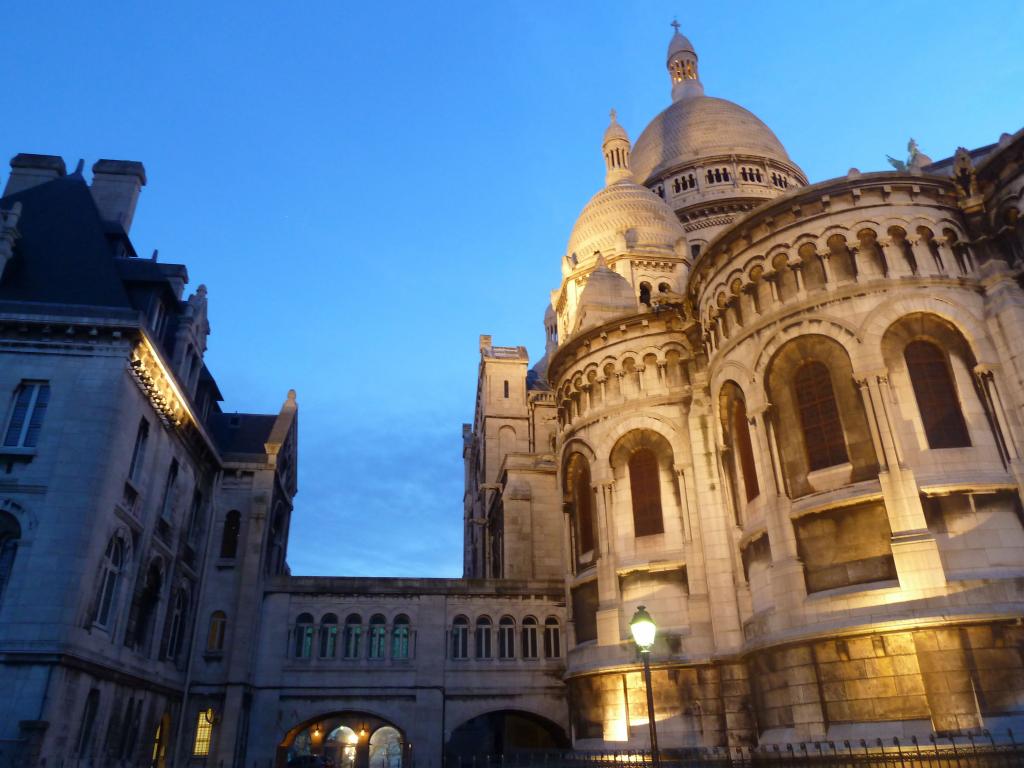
pixel 344 740
pixel 501 733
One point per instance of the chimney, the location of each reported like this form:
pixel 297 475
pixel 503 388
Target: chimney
pixel 115 188
pixel 29 170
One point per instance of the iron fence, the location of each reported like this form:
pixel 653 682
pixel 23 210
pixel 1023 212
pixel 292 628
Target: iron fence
pixel 983 749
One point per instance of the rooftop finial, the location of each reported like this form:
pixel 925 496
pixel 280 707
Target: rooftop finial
pixel 675 25
pixel 613 114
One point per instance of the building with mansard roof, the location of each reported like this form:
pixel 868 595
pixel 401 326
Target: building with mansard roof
pixel 786 417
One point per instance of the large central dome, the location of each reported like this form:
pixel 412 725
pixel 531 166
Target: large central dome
pixel 699 127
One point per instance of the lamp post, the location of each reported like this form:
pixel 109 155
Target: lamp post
pixel 643 628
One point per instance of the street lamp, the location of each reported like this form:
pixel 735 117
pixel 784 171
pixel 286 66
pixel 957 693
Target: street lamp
pixel 643 628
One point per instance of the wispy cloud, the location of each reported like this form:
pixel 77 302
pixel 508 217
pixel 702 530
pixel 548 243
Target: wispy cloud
pixel 378 499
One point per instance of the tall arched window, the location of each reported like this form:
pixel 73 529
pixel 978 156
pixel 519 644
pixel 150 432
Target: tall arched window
pixel 529 638
pixel 483 638
pixel 110 580
pixel 229 540
pixel 737 437
pixel 400 638
pixel 580 495
pixel 218 628
pixel 645 488
pixel 328 636
pixel 507 638
pixel 378 636
pixel 744 449
pixel 552 638
pixel 819 416
pixel 460 638
pixel 304 636
pixel 936 395
pixel 353 629
pixel 10 535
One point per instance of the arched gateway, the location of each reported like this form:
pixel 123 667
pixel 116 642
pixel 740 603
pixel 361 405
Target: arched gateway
pixel 500 733
pixel 344 740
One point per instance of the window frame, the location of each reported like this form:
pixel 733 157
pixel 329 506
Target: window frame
pixel 824 435
pixel 936 395
pixel 31 418
pixel 506 638
pixel 644 470
pixel 552 638
pixel 460 638
pixel 218 629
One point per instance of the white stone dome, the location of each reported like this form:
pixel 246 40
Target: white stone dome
pixel 623 215
pixel 701 126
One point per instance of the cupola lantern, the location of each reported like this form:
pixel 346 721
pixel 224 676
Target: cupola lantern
pixel 682 67
pixel 616 149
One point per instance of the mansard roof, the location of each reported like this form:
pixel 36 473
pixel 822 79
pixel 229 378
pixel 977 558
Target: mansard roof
pixel 62 255
pixel 236 433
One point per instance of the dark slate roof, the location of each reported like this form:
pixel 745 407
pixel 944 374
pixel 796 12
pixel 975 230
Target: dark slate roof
pixel 63 255
pixel 241 432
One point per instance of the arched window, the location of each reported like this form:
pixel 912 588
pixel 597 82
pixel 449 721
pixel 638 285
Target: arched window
pixel 552 638
pixel 378 636
pixel 10 535
pixel 737 433
pixel 819 416
pixel 581 498
pixel 460 638
pixel 386 748
pixel 645 293
pixel 304 636
pixel 483 638
pixel 507 638
pixel 328 636
pixel 529 638
pixel 229 540
pixel 400 638
pixel 353 629
pixel 176 624
pixel 218 628
pixel 645 488
pixel 110 579
pixel 936 395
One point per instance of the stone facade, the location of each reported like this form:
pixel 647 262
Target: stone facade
pixel 785 417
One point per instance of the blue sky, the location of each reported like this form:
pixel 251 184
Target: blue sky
pixel 365 187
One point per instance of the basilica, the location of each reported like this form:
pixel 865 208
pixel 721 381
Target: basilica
pixel 786 417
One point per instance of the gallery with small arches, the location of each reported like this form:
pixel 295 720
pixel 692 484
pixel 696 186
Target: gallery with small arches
pixel 827 410
pixel 377 638
pixel 527 637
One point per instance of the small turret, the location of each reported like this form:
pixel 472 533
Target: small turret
pixel 682 67
pixel 616 148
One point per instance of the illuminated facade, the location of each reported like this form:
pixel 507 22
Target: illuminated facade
pixel 786 417
pixel 788 421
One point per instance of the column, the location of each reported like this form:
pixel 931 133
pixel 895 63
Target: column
pixel 914 549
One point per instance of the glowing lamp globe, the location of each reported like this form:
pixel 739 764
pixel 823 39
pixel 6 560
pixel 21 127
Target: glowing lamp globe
pixel 643 628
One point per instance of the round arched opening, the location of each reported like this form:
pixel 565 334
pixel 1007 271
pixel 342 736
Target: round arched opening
pixel 502 733
pixel 343 740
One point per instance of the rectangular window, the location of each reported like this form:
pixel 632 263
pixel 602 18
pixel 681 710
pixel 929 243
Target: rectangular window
pixel 27 412
pixel 167 507
pixel 195 524
pixel 204 732
pixel 139 452
pixel 506 389
pixel 92 703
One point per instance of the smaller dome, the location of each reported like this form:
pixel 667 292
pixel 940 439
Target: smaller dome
pixel 614 130
pixel 623 215
pixel 607 295
pixel 680 43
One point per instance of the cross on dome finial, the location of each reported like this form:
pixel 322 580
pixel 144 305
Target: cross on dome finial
pixel 613 114
pixel 675 25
